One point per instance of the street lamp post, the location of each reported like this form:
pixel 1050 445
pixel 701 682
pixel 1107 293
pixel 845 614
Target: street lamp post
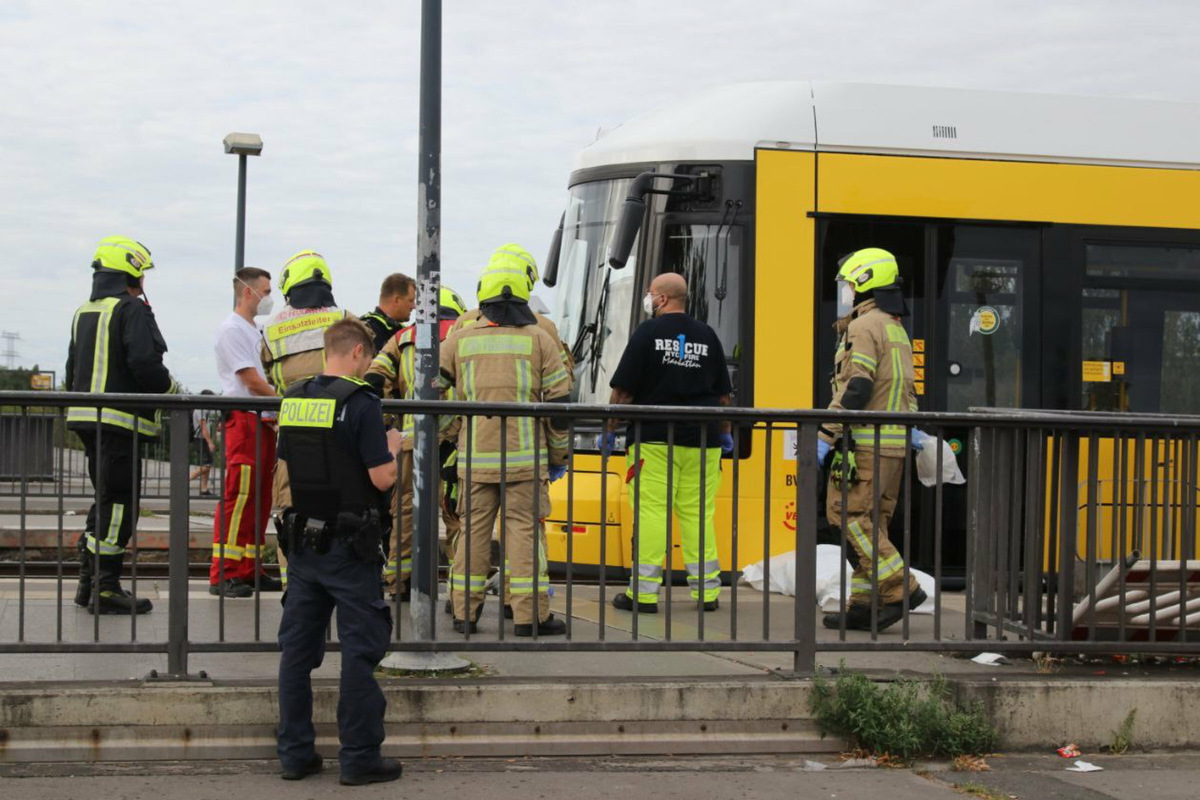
pixel 242 145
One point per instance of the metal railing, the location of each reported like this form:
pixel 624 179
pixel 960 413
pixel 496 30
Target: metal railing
pixel 1034 502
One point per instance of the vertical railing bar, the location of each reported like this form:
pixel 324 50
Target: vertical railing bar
pixel 733 532
pixel 636 579
pixel 1068 523
pixel 503 531
pixel 843 487
pixel 135 516
pixel 937 538
pixel 23 451
pixel 1092 553
pixel 603 572
pixel 1054 534
pixel 177 548
pixel 876 496
pixel 570 523
pixel 466 569
pixel 260 535
pixel 536 544
pixel 766 548
pixel 1120 506
pixel 975 485
pixel 94 600
pixel 1017 486
pixel 1155 541
pixel 669 533
pixel 1032 469
pixel 60 426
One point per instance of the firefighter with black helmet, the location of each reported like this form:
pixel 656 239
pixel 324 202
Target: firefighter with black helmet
pixel 116 347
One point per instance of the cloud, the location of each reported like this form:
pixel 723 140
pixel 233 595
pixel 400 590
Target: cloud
pixel 114 114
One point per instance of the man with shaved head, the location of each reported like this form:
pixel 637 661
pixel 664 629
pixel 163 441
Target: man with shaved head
pixel 672 360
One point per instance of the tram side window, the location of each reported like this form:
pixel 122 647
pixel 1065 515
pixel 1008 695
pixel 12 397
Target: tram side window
pixel 1141 328
pixel 709 257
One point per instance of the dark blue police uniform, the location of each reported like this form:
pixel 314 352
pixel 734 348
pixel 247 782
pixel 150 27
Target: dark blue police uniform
pixel 330 433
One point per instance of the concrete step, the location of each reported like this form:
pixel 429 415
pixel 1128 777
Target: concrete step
pixel 149 721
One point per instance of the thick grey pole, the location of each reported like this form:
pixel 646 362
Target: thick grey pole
pixel 239 252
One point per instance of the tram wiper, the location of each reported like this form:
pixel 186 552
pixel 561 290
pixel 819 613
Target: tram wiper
pixel 599 328
pixel 722 290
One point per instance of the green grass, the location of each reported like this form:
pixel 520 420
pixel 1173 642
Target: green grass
pixel 979 790
pixel 902 719
pixel 1122 737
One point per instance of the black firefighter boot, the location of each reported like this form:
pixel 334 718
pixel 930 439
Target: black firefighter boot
pixel 83 591
pixel 109 597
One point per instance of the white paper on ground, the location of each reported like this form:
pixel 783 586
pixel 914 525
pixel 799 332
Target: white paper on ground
pixel 1083 766
pixel 829 581
pixel 990 659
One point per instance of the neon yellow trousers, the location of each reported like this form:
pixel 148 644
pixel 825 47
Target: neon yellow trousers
pixel 647 488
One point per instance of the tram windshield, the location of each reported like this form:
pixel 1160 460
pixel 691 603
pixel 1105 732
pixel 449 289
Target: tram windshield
pixel 593 299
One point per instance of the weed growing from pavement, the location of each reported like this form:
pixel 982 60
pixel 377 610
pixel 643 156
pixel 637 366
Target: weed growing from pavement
pixel 902 719
pixel 1122 737
pixel 979 790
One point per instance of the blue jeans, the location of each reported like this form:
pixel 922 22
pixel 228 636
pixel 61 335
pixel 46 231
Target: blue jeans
pixel 316 585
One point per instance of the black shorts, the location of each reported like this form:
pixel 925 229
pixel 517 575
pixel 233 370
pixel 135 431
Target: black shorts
pixel 204 453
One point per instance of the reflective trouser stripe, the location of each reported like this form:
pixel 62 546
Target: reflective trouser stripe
pixel 650 505
pixel 105 549
pixel 108 545
pixel 239 505
pixel 232 551
pixel 464 583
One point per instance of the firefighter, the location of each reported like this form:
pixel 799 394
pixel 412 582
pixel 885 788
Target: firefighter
pixel 115 347
pixel 293 346
pixel 873 371
pixel 393 375
pixel 506 357
pixel 397 296
pixel 342 462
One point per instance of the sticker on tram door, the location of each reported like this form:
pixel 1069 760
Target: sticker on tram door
pixel 985 320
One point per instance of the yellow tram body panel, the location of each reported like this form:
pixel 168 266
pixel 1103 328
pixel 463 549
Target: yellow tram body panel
pixel 792 185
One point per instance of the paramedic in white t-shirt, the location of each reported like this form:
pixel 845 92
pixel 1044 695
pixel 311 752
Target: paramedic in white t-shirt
pixel 241 519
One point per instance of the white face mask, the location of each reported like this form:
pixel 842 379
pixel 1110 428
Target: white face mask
pixel 648 303
pixel 845 298
pixel 265 303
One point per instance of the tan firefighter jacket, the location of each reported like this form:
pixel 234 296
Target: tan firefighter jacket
pixel 873 371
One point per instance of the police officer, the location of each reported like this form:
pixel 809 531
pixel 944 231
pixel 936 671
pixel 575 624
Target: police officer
pixel 115 347
pixel 506 357
pixel 873 371
pixel 341 462
pixel 393 375
pixel 672 359
pixel 397 296
pixel 292 347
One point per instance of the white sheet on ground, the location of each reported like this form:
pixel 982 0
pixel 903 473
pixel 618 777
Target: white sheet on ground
pixel 829 578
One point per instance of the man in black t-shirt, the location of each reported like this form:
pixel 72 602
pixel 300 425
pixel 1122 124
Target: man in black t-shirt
pixel 672 360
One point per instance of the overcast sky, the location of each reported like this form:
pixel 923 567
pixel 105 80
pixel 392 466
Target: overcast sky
pixel 112 115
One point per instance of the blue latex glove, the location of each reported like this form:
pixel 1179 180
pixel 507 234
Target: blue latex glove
pixel 606 443
pixel 823 448
pixel 725 440
pixel 919 439
pixel 557 472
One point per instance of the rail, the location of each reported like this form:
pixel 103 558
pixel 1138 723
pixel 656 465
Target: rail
pixel 1077 530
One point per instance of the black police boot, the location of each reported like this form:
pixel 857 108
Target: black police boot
pixel 310 767
pixel 389 769
pixel 83 590
pixel 550 627
pixel 109 597
pixel 624 602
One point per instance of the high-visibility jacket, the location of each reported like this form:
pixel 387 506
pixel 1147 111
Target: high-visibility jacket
pixel 873 371
pixel 381 325
pixel 116 347
pixel 475 315
pixel 502 364
pixel 293 346
pixel 393 372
